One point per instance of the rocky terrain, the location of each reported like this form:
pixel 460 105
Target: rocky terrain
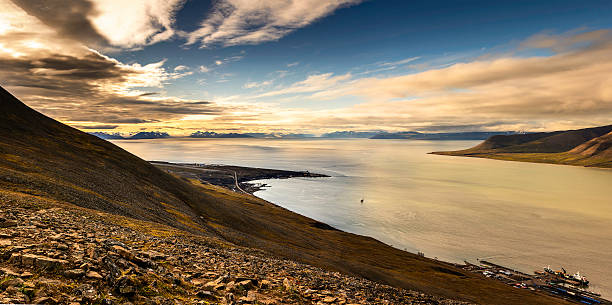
pixel 55 253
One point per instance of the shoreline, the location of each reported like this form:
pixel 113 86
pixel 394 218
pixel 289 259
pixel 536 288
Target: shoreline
pixel 537 158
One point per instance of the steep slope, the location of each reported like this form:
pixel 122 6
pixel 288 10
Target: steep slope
pixel 600 146
pixel 595 151
pixel 41 156
pixel 44 158
pixel 584 147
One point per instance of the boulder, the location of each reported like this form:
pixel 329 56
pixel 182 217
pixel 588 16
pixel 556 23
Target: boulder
pixel 125 285
pixel 154 255
pixel 265 284
pixel 39 261
pixel 74 273
pixel 244 285
pixel 287 284
pixel 15 259
pixel 26 275
pixel 123 252
pixel 9 272
pixel 7 223
pixel 207 296
pixel 93 275
pixel 51 263
pixel 45 300
pixel 29 260
pixel 329 299
pixel 12 282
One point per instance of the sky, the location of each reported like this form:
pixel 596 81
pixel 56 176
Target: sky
pixel 310 66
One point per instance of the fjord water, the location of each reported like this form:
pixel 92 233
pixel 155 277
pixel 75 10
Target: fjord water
pixel 521 215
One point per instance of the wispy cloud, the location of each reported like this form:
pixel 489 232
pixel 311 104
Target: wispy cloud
pixel 236 22
pixel 106 127
pixel 399 62
pixel 313 83
pixel 180 68
pixel 250 85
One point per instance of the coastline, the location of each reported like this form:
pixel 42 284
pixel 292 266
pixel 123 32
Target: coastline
pixel 220 175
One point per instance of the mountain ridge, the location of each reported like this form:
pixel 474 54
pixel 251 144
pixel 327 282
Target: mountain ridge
pixel 590 147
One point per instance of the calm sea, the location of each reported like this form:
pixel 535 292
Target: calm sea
pixel 521 215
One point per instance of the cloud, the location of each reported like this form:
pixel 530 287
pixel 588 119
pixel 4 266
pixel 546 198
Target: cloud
pixel 72 23
pixel 204 69
pixel 251 85
pixel 95 88
pixel 568 84
pixel 180 68
pixel 229 59
pixel 293 64
pixel 313 83
pixel 282 73
pixel 399 62
pixel 73 83
pixel 236 22
pixel 566 41
pixel 99 23
pixel 107 127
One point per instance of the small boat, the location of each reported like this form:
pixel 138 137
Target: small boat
pixel 581 279
pixel 549 270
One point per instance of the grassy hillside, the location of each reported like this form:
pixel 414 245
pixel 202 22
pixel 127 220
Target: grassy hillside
pixel 44 158
pixel 583 147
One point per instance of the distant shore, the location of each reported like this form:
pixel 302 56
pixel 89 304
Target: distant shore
pixel 562 158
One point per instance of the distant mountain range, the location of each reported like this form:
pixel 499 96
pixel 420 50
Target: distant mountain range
pixel 200 135
pixel 108 136
pixel 281 135
pixel 140 135
pixel 351 134
pixel 209 134
pixel 585 147
pixel 408 135
pixel 413 135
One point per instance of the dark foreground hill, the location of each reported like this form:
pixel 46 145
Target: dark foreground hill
pixel 585 147
pixel 42 159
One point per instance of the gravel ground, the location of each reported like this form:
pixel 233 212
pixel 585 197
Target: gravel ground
pixel 53 253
